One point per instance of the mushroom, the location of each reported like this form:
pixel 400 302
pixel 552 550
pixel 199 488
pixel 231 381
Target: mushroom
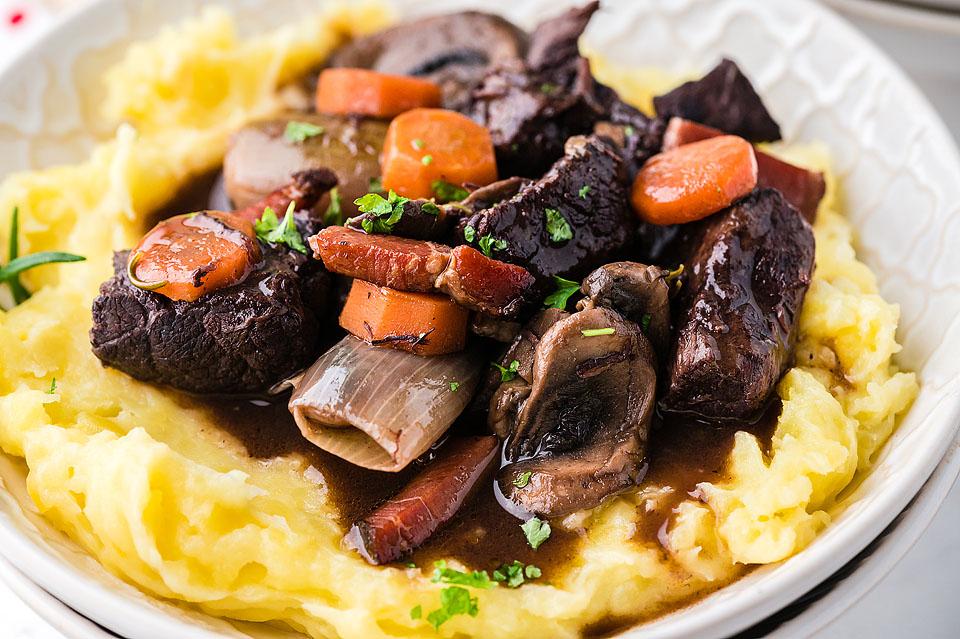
pixel 580 433
pixel 260 158
pixel 452 50
pixel 640 293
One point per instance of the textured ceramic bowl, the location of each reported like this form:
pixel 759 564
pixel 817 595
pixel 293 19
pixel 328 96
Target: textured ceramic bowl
pixel 822 80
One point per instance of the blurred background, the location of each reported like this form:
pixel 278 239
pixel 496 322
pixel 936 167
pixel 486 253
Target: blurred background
pixel 918 598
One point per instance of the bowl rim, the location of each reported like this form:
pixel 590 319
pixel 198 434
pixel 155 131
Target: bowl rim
pixel 772 587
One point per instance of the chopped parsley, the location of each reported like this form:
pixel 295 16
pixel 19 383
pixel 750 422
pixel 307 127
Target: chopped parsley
pixel 430 208
pixel 411 565
pixel 476 579
pixel 376 185
pixel 596 332
pixel 454 387
pixel 509 372
pixel 537 531
pixel 522 479
pixel 512 575
pixel 488 244
pixel 426 160
pixel 417 144
pixel 584 190
pixel 333 216
pixel 548 88
pixel 453 601
pixel 53 387
pixel 383 213
pixel 469 234
pixel 269 229
pixel 557 226
pixel 645 322
pixel 17 264
pixel 629 130
pixel 416 612
pixel 297 132
pixel 561 297
pixel 447 192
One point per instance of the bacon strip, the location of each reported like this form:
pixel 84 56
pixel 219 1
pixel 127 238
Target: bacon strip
pixel 305 188
pixel 483 284
pixel 434 496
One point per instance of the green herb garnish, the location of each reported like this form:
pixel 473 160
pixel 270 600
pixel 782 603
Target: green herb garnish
pixel 548 88
pixel 557 226
pixel 645 322
pixel 629 130
pixel 53 387
pixel 417 144
pixel 416 612
pixel 507 373
pixel 469 234
pixel 430 208
pixel 384 213
pixel 583 191
pixel 426 160
pixel 522 479
pixel 453 601
pixel 454 387
pixel 561 297
pixel 475 579
pixel 297 132
pixel 537 532
pixel 513 574
pixel 488 244
pixel 17 264
pixel 447 192
pixel 333 216
pixel 269 229
pixel 596 332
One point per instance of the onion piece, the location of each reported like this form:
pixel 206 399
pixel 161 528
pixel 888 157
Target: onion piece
pixel 381 408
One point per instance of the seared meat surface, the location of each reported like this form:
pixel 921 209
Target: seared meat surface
pixel 738 306
pixel 242 340
pixel 532 106
pixel 724 99
pixel 587 189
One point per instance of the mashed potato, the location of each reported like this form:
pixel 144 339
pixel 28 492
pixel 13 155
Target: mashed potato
pixel 169 503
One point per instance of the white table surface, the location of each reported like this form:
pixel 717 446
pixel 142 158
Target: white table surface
pixel 917 599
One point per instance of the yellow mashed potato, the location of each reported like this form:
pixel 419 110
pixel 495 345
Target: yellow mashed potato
pixel 168 503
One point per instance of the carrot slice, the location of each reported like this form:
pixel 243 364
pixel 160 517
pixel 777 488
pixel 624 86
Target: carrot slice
pixel 187 256
pixel 421 323
pixel 693 181
pixel 426 145
pixel 365 92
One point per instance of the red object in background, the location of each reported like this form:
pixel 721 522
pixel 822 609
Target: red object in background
pixel 16 18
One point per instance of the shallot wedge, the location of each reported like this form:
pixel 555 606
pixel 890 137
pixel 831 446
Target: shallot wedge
pixel 382 408
pixel 434 496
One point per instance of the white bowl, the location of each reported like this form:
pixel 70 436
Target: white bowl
pixel 822 80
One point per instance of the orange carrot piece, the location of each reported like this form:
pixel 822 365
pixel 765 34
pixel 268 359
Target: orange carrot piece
pixel 426 145
pixel 187 256
pixel 693 181
pixel 365 92
pixel 421 323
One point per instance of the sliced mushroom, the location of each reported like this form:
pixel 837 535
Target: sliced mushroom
pixel 260 158
pixel 452 50
pixel 640 293
pixel 581 432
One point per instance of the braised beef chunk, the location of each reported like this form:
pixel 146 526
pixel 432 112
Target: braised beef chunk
pixel 531 107
pixel 640 293
pixel 584 190
pixel 452 50
pixel 581 431
pixel 724 99
pixel 243 339
pixel 637 137
pixel 735 327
